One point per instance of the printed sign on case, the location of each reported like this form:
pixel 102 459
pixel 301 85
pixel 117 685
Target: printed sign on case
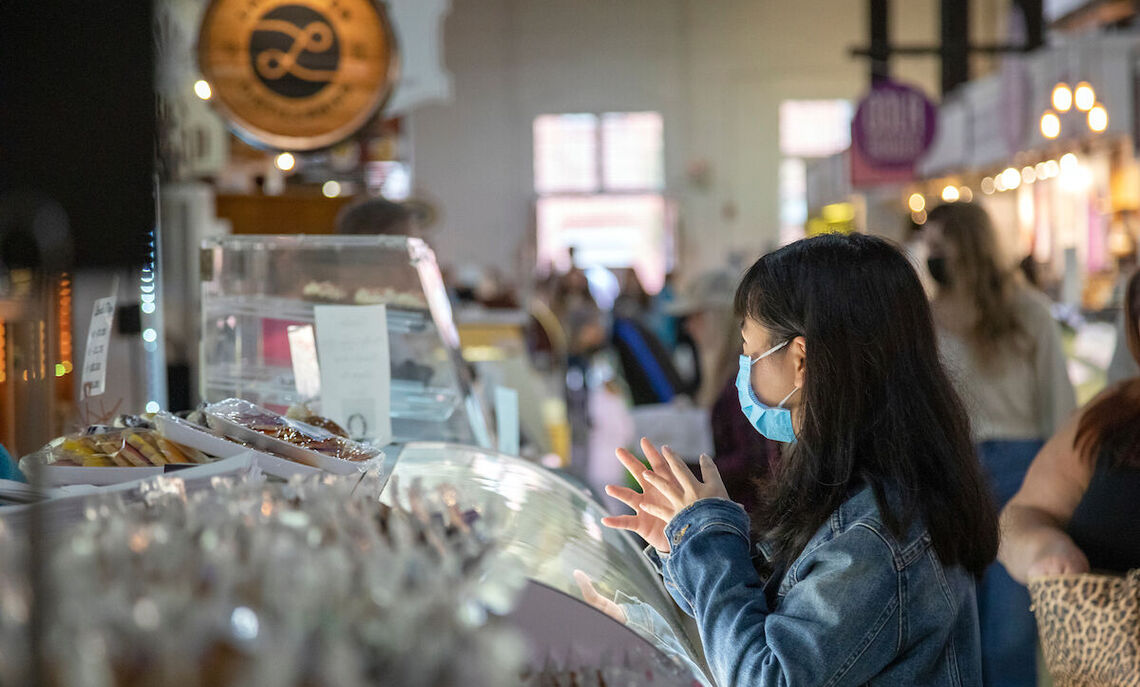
pixel 356 373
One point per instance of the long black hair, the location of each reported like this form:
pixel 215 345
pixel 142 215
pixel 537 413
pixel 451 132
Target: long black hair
pixel 877 405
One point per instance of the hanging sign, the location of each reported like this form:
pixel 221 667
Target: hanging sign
pixel 893 126
pixel 297 74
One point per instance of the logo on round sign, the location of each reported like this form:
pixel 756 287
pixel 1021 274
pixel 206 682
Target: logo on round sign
pixel 299 74
pixel 894 125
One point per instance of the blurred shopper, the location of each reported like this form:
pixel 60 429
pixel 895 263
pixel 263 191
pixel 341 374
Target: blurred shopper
pixel 1003 349
pixel 878 521
pixel 1079 508
pixel 743 457
pixel 377 216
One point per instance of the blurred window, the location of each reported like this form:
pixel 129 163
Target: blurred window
pixel 600 181
pixel 808 129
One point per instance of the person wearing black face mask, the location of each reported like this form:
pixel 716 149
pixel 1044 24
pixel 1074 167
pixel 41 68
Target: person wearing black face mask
pixel 1003 349
pixel 936 264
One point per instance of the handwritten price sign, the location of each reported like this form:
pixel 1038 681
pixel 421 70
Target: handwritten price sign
pixel 95 355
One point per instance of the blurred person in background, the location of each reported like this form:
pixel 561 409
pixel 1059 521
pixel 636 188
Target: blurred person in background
pixel 1078 511
pixel 377 216
pixel 1079 507
pixel 743 457
pixel 1122 365
pixel 1003 350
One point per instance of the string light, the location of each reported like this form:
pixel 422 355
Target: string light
pixel 1011 178
pixel 950 194
pixel 1050 125
pixel 1098 118
pixel 1084 96
pixel 1028 175
pixel 988 185
pixel 916 202
pixel 1062 97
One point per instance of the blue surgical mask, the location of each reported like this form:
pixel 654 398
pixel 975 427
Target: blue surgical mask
pixel 774 423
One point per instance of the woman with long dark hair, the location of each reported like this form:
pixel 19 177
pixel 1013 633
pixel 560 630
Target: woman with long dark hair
pixel 1079 508
pixel 1003 351
pixel 877 520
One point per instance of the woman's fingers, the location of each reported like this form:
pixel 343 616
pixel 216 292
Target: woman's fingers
pixel 710 475
pixel 681 473
pixel 652 455
pixel 662 513
pixel 622 522
pixel 635 466
pixel 669 490
pixel 624 494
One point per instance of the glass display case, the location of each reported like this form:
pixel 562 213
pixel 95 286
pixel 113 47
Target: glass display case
pixel 259 291
pixel 552 528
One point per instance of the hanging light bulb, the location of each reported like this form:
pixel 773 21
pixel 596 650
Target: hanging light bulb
pixel 1062 97
pixel 202 89
pixel 1084 96
pixel 916 202
pixel 950 194
pixel 285 162
pixel 988 185
pixel 1011 178
pixel 1050 125
pixel 1098 118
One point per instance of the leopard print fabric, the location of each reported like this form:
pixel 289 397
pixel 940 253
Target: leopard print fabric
pixel 1090 628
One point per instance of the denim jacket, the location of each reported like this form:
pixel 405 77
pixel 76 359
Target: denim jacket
pixel 858 606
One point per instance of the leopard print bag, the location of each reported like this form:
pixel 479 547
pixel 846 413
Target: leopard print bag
pixel 1089 626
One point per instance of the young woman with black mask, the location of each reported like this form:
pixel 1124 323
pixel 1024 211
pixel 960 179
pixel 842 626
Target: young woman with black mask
pixel 1003 351
pixel 877 521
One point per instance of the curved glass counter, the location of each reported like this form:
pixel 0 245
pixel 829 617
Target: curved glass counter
pixel 553 528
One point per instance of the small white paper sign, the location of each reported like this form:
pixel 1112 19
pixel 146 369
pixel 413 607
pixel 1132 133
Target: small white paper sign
pixel 507 419
pixel 303 354
pixel 356 374
pixel 94 378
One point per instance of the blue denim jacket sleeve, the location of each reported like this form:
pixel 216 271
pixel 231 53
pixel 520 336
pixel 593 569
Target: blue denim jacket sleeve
pixel 838 624
pixel 659 559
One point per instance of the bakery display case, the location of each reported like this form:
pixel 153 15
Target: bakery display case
pixel 551 530
pixel 259 295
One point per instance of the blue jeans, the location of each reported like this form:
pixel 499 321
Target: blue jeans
pixel 1009 632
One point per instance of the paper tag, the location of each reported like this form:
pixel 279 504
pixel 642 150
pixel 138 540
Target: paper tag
pixel 303 354
pixel 507 419
pixel 356 373
pixel 95 355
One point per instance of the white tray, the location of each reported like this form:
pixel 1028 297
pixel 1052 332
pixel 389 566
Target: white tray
pixel 216 417
pixel 189 434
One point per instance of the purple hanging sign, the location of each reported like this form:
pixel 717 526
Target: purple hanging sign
pixel 894 125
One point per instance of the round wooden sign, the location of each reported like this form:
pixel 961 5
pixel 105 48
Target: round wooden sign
pixel 297 74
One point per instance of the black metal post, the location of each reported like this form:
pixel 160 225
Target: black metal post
pixel 955 44
pixel 880 30
pixel 1034 12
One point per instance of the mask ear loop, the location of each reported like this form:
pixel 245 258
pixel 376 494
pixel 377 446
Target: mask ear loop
pixel 768 352
pixel 781 403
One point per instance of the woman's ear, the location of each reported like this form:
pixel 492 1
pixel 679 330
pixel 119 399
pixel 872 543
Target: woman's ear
pixel 799 359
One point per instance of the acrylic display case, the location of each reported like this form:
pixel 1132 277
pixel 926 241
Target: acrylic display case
pixel 553 528
pixel 256 289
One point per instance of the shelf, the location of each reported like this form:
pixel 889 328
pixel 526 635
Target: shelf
pixel 401 319
pixel 275 385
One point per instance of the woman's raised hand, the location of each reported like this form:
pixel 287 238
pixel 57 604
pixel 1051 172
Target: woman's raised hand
pixel 667 487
